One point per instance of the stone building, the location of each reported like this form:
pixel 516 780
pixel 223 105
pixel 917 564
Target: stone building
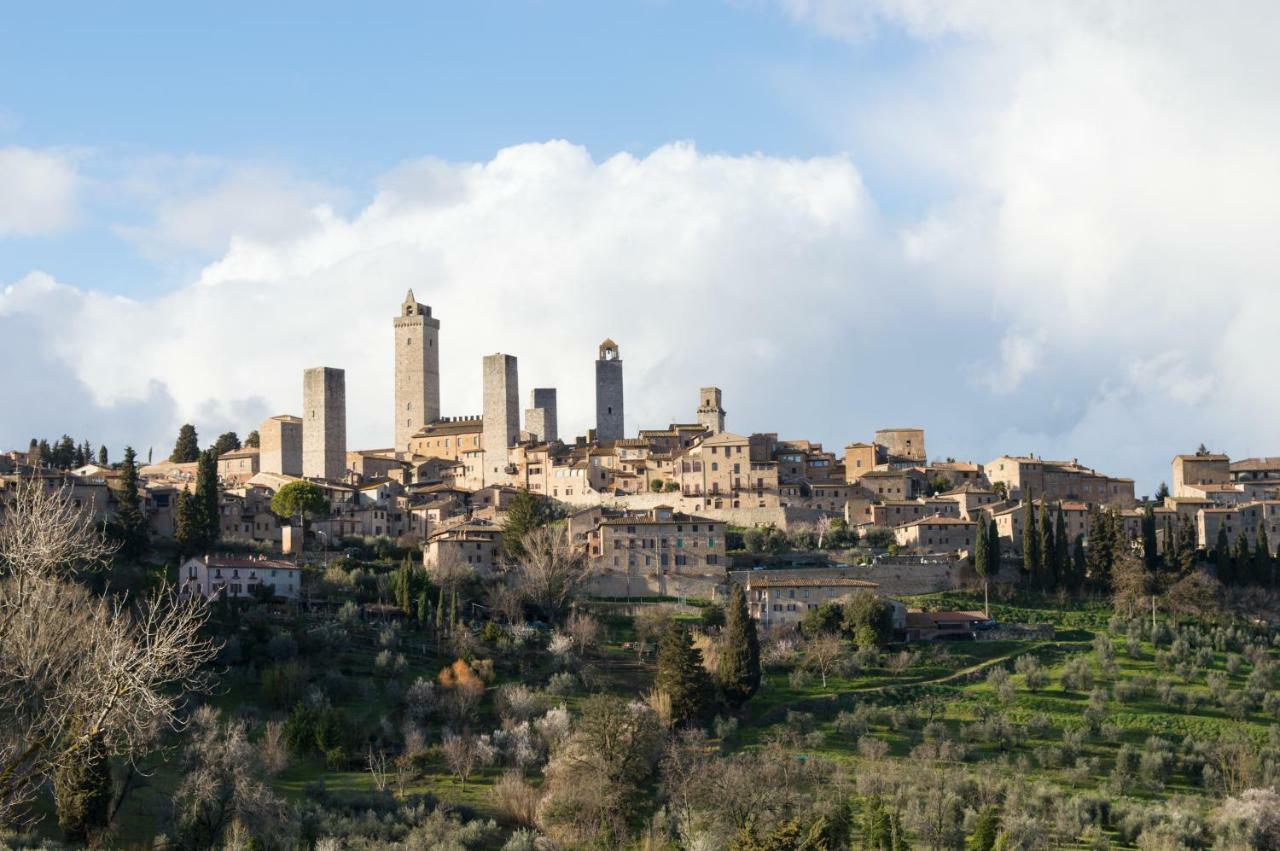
pixel 448 437
pixel 540 417
pixel 718 472
pixel 710 413
pixel 501 414
pixel 659 541
pixel 1206 468
pixel 239 576
pixel 324 424
pixel 239 465
pixel 475 543
pixel 936 535
pixel 777 600
pixel 417 363
pixel 280 445
pixel 1058 480
pixel 610 423
pixel 905 444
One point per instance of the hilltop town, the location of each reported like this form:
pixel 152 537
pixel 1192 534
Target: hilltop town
pixel 653 510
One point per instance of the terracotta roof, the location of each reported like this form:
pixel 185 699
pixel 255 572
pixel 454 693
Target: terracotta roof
pixel 1250 464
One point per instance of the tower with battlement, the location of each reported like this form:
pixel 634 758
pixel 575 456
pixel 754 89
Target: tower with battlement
pixel 710 414
pixel 609 419
pixel 417 370
pixel 324 423
pixel 501 413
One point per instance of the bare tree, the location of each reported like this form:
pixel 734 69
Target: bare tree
pixel 823 527
pixel 80 674
pixel 465 753
pixel 272 748
pixel 553 570
pixel 822 652
pixel 584 630
pixel 379 768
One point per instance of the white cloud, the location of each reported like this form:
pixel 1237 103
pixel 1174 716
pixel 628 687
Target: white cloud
pixel 38 192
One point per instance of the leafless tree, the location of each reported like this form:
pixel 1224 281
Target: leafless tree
pixel 272 748
pixel 76 668
pixel 584 630
pixel 464 753
pixel 379 768
pixel 553 570
pixel 822 652
pixel 823 527
pixel 507 601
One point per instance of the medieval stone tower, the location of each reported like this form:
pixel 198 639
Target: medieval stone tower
pixel 540 416
pixel 609 420
pixel 710 414
pixel 324 423
pixel 417 370
pixel 501 422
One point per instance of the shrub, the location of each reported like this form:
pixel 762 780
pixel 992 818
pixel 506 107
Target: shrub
pixel 283 684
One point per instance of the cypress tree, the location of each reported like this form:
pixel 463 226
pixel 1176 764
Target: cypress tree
pixel 206 500
pixel 1262 556
pixel 1241 563
pixel 981 550
pixel 46 453
pixel 1150 555
pixel 986 828
pixel 33 451
pixel 1047 577
pixel 738 672
pixel 993 544
pixel 1061 550
pixel 186 533
pixel 1101 551
pixel 1078 567
pixel 424 608
pixel 133 525
pixel 1170 545
pixel 1222 556
pixel 1030 540
pixel 102 456
pixel 82 791
pixel 187 447
pixel 1187 545
pixel 440 610
pixel 681 676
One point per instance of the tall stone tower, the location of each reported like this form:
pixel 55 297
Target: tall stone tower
pixel 324 423
pixel 280 445
pixel 417 370
pixel 501 413
pixel 540 416
pixel 609 420
pixel 710 414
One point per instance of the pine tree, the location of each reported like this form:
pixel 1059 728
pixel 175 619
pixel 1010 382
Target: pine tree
pixel 681 676
pixel 252 440
pixel 1030 540
pixel 1045 546
pixel 1222 557
pixel 102 456
pixel 46 453
pixel 226 442
pixel 64 453
pixel 133 525
pixel 187 447
pixel 738 671
pixel 33 451
pixel 525 513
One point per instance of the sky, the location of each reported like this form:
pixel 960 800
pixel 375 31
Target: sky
pixel 1024 227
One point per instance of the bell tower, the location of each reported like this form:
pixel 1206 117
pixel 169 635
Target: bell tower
pixel 417 370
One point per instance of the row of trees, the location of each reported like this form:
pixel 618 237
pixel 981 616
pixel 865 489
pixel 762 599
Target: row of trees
pixel 187 446
pixel 65 453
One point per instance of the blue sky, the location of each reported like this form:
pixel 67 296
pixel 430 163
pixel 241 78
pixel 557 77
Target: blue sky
pixel 342 95
pixel 879 212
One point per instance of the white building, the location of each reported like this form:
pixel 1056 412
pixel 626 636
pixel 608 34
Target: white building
pixel 238 576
